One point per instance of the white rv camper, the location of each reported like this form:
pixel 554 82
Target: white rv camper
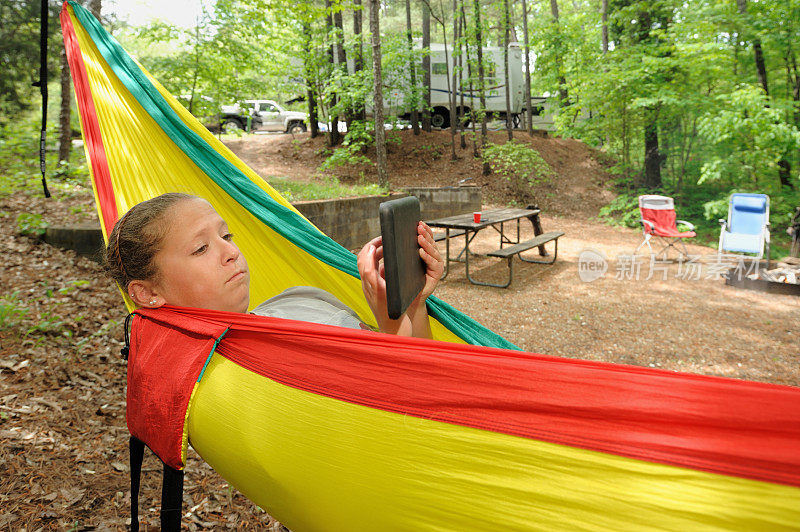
pixel 494 78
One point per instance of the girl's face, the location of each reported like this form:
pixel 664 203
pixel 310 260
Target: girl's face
pixel 199 265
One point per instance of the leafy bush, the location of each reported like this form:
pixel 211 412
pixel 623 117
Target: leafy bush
pixel 351 152
pixel 521 166
pixel 623 210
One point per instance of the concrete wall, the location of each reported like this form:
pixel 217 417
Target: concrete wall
pixel 85 240
pixel 350 221
pixel 354 221
pixel 440 202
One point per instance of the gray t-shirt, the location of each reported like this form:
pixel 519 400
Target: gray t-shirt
pixel 308 303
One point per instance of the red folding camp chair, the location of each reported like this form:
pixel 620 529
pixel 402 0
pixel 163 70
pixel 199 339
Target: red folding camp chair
pixel 658 219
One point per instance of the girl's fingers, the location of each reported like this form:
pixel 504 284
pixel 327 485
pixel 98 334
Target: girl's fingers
pixel 429 246
pixel 424 229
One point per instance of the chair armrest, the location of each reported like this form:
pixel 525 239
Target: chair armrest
pixel 723 223
pixel 687 224
pixel 648 222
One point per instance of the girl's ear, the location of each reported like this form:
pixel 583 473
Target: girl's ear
pixel 142 293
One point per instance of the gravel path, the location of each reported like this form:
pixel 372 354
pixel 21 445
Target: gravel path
pixel 683 323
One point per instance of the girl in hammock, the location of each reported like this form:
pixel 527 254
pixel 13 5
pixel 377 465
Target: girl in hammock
pixel 176 250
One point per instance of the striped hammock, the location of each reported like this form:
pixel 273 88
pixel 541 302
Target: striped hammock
pixel 338 429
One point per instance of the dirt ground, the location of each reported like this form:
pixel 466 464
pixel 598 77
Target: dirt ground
pixel 63 441
pixel 580 188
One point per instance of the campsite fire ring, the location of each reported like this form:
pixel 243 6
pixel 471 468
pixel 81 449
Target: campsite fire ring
pixel 784 280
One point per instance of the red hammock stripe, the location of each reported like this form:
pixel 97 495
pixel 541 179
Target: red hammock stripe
pixel 90 125
pixel 726 426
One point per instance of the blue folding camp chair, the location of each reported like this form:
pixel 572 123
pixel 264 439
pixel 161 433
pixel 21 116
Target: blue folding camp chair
pixel 747 228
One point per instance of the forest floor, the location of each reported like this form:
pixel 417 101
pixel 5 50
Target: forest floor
pixel 63 440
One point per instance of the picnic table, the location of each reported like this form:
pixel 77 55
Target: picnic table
pixel 464 224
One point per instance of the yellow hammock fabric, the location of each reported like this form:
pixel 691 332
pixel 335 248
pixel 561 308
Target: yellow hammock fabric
pixel 318 462
pixel 132 158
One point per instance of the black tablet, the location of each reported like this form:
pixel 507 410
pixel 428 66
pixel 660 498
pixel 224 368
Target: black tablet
pixel 404 270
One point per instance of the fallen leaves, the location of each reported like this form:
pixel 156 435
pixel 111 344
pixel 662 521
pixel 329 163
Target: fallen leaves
pixel 63 439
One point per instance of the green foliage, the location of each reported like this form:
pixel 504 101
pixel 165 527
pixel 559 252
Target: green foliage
pixel 31 225
pixel 354 145
pixel 520 165
pixel 18 156
pixel 49 324
pixel 19 54
pixel 623 209
pixel 328 188
pixel 11 312
pixel 748 138
pixel 19 161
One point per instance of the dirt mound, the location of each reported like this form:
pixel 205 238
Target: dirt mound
pixel 580 187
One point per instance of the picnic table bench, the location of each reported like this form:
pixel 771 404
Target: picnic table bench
pixel 517 249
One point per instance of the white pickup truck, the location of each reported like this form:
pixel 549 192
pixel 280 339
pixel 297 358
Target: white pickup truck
pixel 261 115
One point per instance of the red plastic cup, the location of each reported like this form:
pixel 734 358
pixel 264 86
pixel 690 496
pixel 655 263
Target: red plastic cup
pixel 476 216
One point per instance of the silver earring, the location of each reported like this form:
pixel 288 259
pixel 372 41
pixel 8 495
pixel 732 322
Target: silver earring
pixel 153 301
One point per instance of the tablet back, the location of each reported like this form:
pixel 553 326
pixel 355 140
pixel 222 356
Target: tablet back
pixel 403 268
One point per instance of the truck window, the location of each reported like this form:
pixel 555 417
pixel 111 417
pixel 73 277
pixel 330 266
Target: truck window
pixel 267 108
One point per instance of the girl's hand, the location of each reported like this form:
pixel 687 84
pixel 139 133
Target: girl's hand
pixel 429 253
pixel 414 322
pixel 373 283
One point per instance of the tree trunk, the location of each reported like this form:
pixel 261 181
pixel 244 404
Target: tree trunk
pixel 795 84
pixel 358 53
pixel 426 65
pixel 481 81
pixel 341 55
pixel 452 88
pixel 313 120
pixel 604 31
pixel 334 138
pixel 64 121
pixel 95 6
pixel 196 71
pixel 507 27
pixel 471 89
pixel 761 68
pixel 527 59
pixel 380 133
pixel 412 70
pixel 563 94
pixel 462 45
pixel 652 154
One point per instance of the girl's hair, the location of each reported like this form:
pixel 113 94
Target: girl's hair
pixel 137 237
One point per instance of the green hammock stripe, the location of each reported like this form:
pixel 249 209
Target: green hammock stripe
pixel 284 221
